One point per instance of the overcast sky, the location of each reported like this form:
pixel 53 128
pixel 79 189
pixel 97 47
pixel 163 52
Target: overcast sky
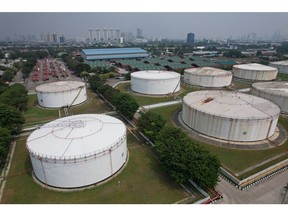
pixel 166 25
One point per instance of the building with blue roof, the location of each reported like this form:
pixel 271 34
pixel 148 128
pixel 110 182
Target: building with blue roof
pixel 113 53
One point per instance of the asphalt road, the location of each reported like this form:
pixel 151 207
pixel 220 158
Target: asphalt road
pixel 270 191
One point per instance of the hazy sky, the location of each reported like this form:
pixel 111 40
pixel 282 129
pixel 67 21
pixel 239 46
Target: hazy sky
pixel 166 25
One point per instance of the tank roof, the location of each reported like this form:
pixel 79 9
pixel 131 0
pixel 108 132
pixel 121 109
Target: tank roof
pixel 277 88
pixel 285 62
pixel 76 136
pixel 231 104
pixel 155 74
pixel 210 71
pixel 254 67
pixel 59 86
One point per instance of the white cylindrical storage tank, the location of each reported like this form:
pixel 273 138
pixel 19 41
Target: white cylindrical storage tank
pixel 207 77
pixel 254 71
pixel 61 93
pixel 276 92
pixel 155 82
pixel 282 66
pixel 231 116
pixel 78 150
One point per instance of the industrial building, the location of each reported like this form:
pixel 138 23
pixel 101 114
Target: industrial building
pixel 230 116
pixel 282 66
pixel 254 71
pixel 113 53
pixel 78 151
pixel 153 82
pixel 61 93
pixel 276 92
pixel 207 77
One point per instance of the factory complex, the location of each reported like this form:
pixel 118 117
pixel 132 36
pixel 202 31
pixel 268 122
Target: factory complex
pixel 222 105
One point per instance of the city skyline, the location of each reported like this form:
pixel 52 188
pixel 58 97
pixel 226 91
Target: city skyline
pixel 213 25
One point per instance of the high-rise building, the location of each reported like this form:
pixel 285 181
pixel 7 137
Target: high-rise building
pixel 61 38
pixel 97 35
pixel 105 34
pixel 43 37
pixel 190 38
pixel 52 37
pixel 117 35
pixel 91 38
pixel 111 35
pixel 139 33
pixel 128 37
pixel 55 37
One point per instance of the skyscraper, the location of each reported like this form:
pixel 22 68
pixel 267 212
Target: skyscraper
pixel 111 37
pixel 97 35
pixel 190 37
pixel 139 33
pixel 117 35
pixel 91 34
pixel 105 34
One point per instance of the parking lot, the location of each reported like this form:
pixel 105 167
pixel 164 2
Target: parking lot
pixel 48 70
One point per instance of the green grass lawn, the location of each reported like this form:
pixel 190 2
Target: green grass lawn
pixel 141 182
pixel 240 84
pixel 148 100
pixel 35 114
pixel 282 77
pixel 233 159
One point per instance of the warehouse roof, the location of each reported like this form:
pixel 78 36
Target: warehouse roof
pixel 230 104
pixel 76 136
pixel 111 51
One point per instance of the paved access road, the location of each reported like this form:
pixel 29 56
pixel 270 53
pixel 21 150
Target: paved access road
pixel 270 191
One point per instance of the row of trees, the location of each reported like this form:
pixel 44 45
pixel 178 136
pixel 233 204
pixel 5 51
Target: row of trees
pixel 181 158
pixel 123 102
pixel 9 73
pixel 13 100
pixel 75 64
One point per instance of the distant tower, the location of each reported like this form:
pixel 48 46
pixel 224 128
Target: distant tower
pixel 43 37
pixel 91 34
pixel 111 37
pixel 55 37
pixel 117 36
pixel 190 38
pixel 97 35
pixel 139 33
pixel 105 34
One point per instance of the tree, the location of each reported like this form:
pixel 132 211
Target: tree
pixel 4 145
pixel 16 96
pixel 95 82
pixel 173 149
pixel 82 67
pixel 151 124
pixel 2 56
pixel 13 55
pixel 3 86
pixel 183 159
pixel 11 119
pixel 110 94
pixel 84 75
pixel 8 76
pixel 127 76
pixel 125 104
